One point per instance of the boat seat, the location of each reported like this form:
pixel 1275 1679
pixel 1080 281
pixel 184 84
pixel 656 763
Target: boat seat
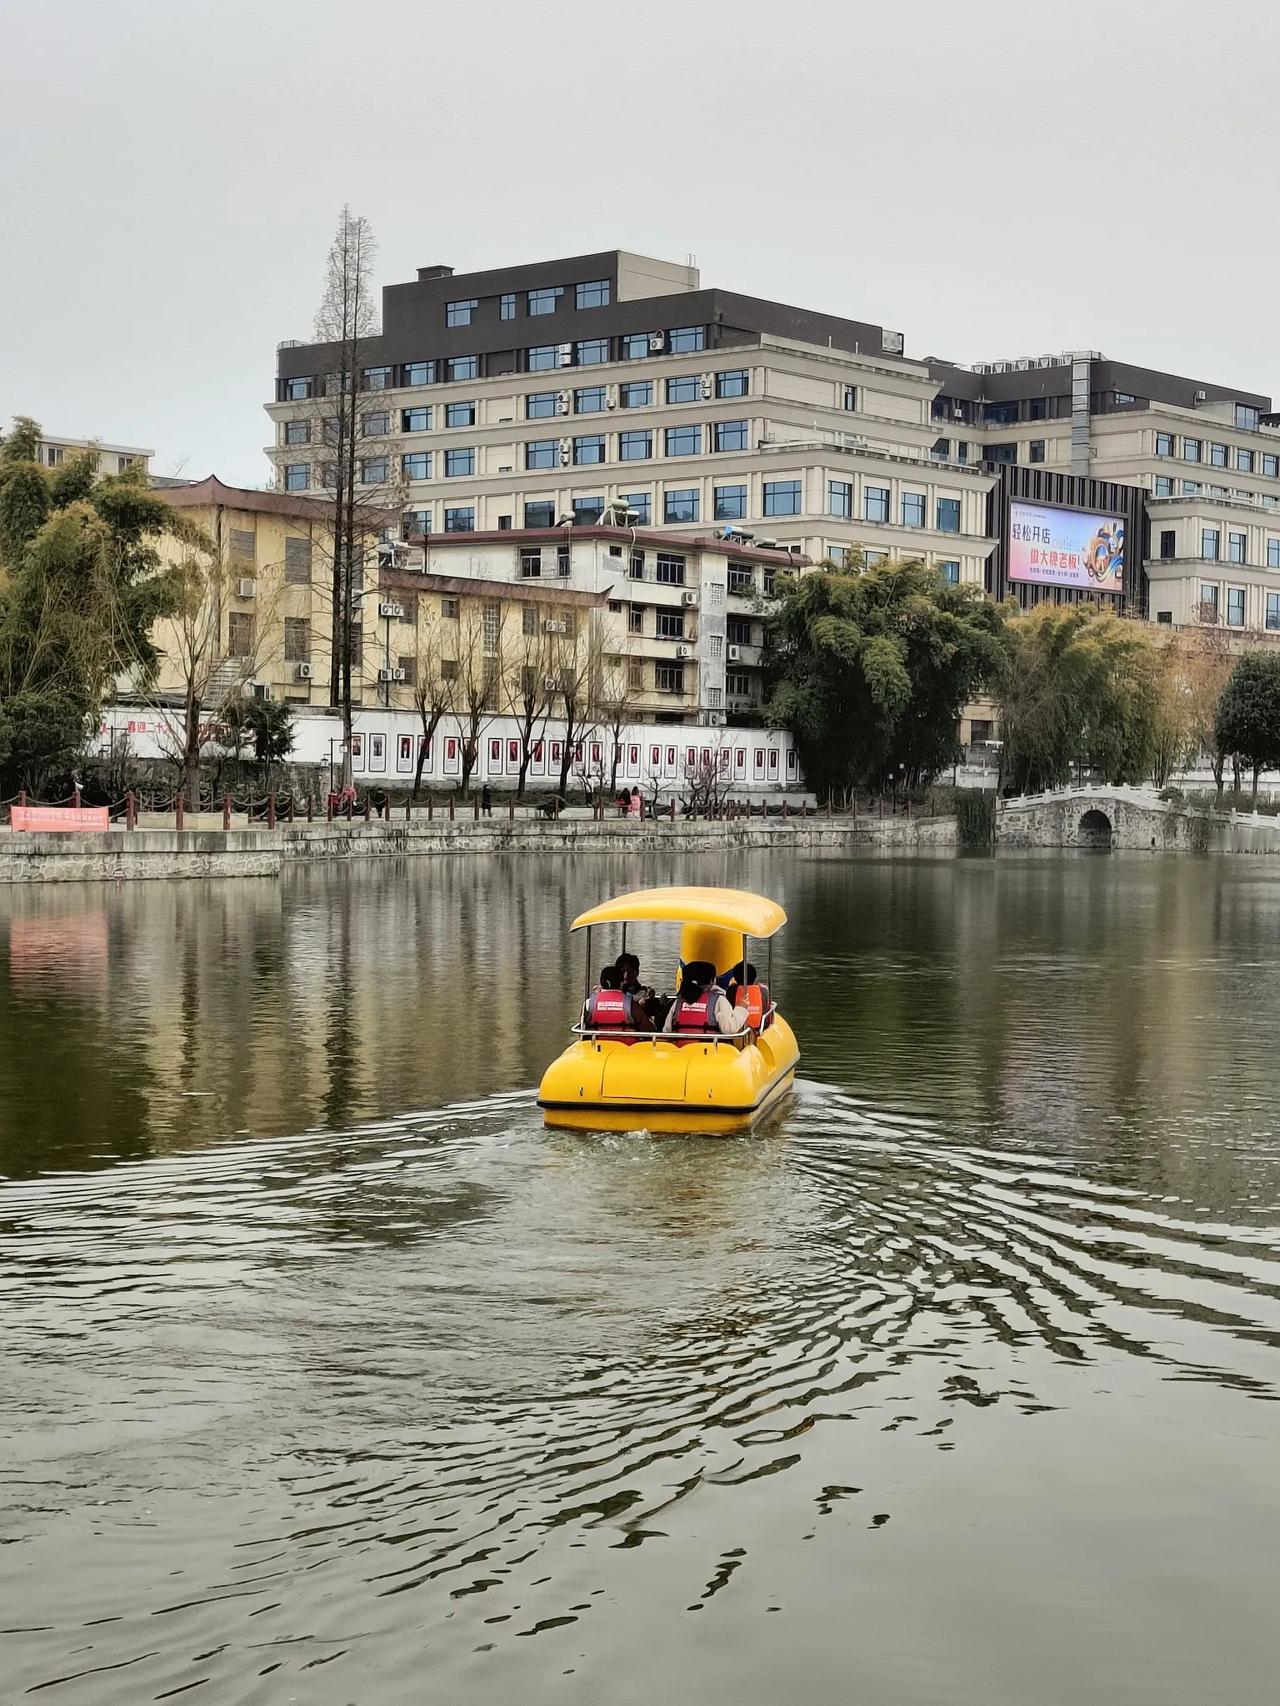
pixel 755 998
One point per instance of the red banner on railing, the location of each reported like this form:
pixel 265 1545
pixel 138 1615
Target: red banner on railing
pixel 84 818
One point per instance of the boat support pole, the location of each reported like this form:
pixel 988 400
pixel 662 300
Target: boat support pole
pixel 586 992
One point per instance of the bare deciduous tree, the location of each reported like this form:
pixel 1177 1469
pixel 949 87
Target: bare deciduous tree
pixel 526 688
pixel 473 691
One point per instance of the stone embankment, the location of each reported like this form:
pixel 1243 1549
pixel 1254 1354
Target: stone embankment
pixel 129 855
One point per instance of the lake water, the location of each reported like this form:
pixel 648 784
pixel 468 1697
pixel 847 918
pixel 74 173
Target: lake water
pixel 330 1376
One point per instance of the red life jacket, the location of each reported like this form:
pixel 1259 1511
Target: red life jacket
pixel 699 1015
pixel 608 1009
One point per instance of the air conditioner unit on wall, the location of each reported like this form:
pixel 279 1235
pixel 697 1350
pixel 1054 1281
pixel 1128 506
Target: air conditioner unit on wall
pixel 386 675
pixel 684 651
pixel 552 626
pixel 399 674
pixel 257 690
pixel 246 587
pixel 564 355
pixel 562 402
pixel 303 672
pixel 657 342
pixel 735 654
pixel 715 719
pixel 690 596
pixel 389 609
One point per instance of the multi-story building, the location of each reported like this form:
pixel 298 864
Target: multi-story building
pixel 526 396
pixel 111 458
pixel 516 398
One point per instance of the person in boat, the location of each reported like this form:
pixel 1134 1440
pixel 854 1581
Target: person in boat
pixel 611 1007
pixel 649 1007
pixel 731 980
pixel 702 1005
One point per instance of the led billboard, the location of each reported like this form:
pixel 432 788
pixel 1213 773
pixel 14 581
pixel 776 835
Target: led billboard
pixel 1066 547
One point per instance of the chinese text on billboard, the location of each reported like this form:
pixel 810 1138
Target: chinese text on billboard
pixel 1066 547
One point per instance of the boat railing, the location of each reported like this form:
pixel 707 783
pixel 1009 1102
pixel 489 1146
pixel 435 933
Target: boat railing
pixel 736 1039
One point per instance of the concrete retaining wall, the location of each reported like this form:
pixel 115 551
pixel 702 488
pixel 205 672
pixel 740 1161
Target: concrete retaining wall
pixel 124 855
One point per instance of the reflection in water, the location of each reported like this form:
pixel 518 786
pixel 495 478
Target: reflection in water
pixel 957 1383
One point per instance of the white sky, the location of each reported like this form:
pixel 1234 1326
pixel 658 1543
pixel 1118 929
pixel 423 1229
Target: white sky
pixel 1002 177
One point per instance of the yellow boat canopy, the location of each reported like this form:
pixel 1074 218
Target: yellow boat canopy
pixel 726 909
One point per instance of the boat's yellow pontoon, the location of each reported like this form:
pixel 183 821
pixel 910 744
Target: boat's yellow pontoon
pixel 623 1079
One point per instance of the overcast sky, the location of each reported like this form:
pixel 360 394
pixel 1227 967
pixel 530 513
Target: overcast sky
pixel 1000 178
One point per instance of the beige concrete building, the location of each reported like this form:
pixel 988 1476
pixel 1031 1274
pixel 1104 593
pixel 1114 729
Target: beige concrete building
pixel 111 458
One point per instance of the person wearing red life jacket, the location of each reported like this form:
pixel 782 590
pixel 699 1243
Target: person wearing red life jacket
pixel 702 1006
pixel 610 1007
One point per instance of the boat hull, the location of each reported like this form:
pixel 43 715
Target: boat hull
pixel 605 1084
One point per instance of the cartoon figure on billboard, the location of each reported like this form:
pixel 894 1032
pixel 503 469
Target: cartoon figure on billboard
pixel 1104 553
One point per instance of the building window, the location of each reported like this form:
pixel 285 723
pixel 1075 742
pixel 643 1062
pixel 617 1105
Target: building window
pixel 460 519
pixel 913 509
pixel 240 634
pixel 948 515
pixel 1168 545
pixel 1191 449
pixel 733 382
pixel 840 498
pixel 683 340
pixel 671 624
pixel 1163 486
pixel 635 619
pixel 731 435
pixel 297 390
pixel 875 503
pixel 849 394
pixel 563 564
pixel 640 504
pixel 297 432
pixel 418 373
pixel 589 450
pixel 1273 553
pixel 1244 461
pixel 374 470
pixel 1035 450
pixel 336 384
pixel 1208 602
pixel 376 424
pixel 1270 465
pixel 297 560
pixel 377 378
pixel 730 503
pixel 463 367
pixel 507 306
pixel 1235 547
pixel 1235 607
pixel 669 677
pixel 635 675
pixel 415 420
pixel 1190 488
pixel 416 465
pixel 539 405
pixel 460 415
pixel 741 578
pixel 737 684
pixel 589 352
pixel 587 511
pixel 1248 417
pixel 782 497
pixel 634 346
pixel 681 505
pixel 636 394
pixel 1209 543
pixel 541 453
pixel 297 639
pixel 544 301
pixel 1217 455
pixel 1003 454
pixel 1164 444
pixel 950 571
pixel 458 462
pixel 593 295
pixel 589 400
pixel 1273 610
pixel 415 523
pixel 685 389
pixel 460 313
pixel 531 565
pixel 684 441
pixel 540 514
pixel 297 476
pixel 669 570
pixel 635 446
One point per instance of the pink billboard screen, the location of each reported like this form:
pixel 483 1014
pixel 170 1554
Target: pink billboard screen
pixel 1066 547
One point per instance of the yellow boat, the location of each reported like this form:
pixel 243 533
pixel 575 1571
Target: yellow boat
pixel 691 1081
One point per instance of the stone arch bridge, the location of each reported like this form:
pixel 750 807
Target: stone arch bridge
pixel 1136 819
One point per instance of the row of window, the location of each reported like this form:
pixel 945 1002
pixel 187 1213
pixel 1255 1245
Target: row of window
pixel 679 506
pixel 637 394
pixel 875 506
pixel 1211 547
pixel 634 446
pixel 1209 607
pixel 596 293
pixel 1218 455
pixel 841 555
pixel 585 352
pixel 1164 486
